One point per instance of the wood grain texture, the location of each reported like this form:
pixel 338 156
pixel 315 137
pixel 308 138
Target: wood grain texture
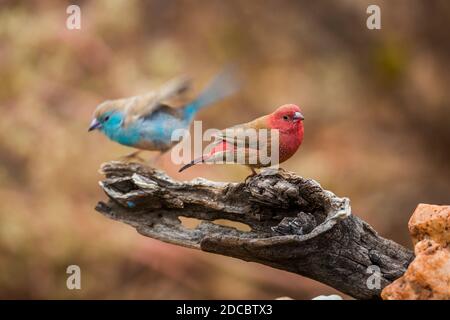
pixel 295 224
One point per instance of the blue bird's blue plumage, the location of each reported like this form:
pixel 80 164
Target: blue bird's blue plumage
pixel 112 128
pixel 153 130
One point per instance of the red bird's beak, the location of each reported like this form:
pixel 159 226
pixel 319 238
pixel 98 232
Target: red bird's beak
pixel 298 116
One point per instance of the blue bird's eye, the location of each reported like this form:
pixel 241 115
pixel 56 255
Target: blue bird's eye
pixel 106 118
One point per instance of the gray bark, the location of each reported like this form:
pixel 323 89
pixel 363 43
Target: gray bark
pixel 295 224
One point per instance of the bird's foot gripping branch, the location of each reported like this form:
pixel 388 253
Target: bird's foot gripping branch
pixel 295 225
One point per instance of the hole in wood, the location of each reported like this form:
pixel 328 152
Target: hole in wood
pixel 233 224
pixel 189 223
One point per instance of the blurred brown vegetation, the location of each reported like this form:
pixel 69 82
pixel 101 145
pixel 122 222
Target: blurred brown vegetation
pixel 377 127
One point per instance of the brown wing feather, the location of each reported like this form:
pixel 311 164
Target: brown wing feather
pixel 240 135
pixel 176 112
pixel 144 105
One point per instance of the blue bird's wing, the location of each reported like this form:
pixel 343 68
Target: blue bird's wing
pixel 156 128
pixel 145 105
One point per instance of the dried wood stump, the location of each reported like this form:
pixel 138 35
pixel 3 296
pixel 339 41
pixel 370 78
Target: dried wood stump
pixel 295 225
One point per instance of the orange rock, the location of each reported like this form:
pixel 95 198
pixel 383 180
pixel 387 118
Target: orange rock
pixel 430 222
pixel 428 276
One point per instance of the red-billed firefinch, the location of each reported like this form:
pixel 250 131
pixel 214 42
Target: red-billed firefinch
pixel 287 122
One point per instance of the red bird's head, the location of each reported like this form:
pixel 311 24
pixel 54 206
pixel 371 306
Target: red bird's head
pixel 287 118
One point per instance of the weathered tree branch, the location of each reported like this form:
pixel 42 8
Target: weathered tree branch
pixel 295 224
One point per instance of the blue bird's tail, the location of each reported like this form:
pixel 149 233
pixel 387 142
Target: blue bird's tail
pixel 223 85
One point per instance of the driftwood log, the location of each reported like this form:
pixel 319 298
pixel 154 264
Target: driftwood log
pixel 295 225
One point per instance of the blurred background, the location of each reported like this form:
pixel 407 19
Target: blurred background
pixel 377 128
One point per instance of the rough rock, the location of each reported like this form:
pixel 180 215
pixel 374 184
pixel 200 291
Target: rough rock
pixel 428 276
pixel 430 222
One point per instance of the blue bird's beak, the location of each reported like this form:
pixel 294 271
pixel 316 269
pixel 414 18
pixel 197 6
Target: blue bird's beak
pixel 95 124
pixel 298 116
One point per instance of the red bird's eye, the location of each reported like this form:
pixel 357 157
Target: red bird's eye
pixel 286 118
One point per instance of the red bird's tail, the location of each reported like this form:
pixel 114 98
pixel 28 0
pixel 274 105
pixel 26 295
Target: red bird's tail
pixel 217 153
pixel 192 163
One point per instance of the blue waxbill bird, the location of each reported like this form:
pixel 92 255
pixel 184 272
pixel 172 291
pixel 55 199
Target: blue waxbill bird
pixel 145 122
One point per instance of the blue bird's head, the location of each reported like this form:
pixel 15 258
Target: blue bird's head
pixel 108 122
pixel 107 119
